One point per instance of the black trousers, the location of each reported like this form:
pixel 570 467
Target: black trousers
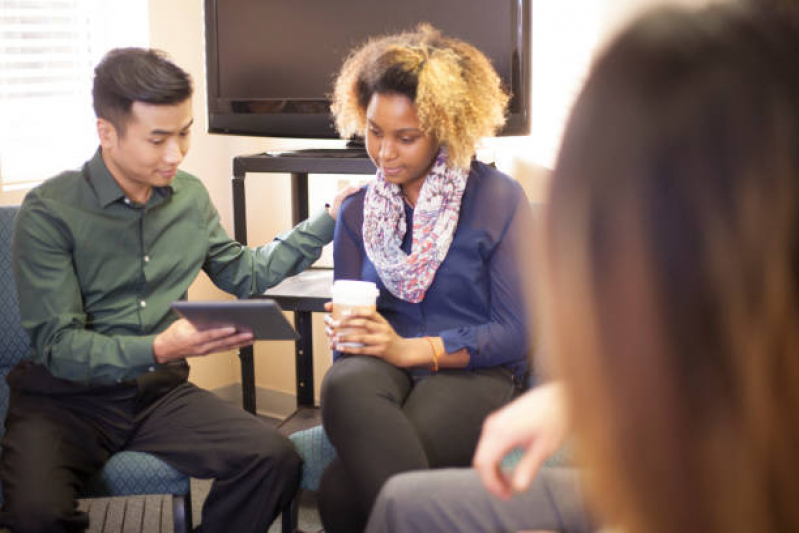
pixel 59 433
pixel 383 422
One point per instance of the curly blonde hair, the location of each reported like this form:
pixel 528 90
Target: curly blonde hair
pixel 458 95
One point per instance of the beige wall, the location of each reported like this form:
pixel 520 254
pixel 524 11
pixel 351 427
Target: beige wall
pixel 177 27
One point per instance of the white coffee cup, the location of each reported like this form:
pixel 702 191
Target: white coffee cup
pixel 350 296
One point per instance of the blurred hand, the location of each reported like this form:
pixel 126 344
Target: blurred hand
pixel 340 196
pixel 538 422
pixel 378 339
pixel 182 339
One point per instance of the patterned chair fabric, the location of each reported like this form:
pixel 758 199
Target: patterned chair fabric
pixel 135 473
pixel 126 473
pixel 316 452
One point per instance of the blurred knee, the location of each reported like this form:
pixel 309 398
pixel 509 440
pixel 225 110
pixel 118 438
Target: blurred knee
pixel 403 490
pixel 399 505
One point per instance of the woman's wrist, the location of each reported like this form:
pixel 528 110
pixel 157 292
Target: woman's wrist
pixel 416 353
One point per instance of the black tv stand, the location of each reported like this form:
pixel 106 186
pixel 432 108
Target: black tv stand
pixel 298 164
pixel 349 152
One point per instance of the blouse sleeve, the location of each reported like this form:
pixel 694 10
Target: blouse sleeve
pixel 503 339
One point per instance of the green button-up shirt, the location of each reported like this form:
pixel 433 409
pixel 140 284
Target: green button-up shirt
pixel 96 272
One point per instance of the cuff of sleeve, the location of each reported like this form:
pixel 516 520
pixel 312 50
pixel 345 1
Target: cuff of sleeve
pixel 458 339
pixel 322 224
pixel 140 351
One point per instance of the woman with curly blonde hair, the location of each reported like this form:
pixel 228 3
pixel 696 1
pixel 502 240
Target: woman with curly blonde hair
pixel 436 231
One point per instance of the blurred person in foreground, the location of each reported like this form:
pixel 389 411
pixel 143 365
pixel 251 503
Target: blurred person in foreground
pixel 671 305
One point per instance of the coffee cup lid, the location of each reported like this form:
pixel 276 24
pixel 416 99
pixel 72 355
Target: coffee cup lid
pixel 359 292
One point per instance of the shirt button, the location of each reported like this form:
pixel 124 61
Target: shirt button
pixel 146 258
pixel 143 303
pixel 119 381
pixel 127 201
pixel 151 369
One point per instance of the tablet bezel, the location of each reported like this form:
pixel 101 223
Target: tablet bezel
pixel 263 317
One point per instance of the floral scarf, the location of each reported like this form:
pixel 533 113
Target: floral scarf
pixel 435 218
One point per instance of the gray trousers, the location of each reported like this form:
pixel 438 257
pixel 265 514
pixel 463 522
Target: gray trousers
pixel 455 500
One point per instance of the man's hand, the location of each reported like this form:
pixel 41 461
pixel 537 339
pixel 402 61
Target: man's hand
pixel 182 339
pixel 538 422
pixel 340 196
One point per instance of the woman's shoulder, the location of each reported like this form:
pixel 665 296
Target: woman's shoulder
pixel 488 185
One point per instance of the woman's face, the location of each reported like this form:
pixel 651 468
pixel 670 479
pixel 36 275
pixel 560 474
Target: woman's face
pixel 395 142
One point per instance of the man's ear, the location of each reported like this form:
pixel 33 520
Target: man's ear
pixel 107 133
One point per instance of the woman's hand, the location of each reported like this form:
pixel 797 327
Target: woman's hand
pixel 366 332
pixel 536 421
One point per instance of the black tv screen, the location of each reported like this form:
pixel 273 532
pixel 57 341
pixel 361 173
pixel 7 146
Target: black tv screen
pixel 270 64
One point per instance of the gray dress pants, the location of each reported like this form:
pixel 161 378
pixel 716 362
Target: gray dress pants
pixel 455 500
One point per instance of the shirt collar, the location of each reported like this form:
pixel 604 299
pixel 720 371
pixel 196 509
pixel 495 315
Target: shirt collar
pixel 108 190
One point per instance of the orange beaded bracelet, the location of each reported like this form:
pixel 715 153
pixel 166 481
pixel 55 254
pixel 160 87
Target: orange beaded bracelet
pixel 436 354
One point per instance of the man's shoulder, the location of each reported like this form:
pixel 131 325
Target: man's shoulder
pixel 59 189
pixel 184 182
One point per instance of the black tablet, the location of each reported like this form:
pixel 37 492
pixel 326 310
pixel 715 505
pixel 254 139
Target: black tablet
pixel 263 317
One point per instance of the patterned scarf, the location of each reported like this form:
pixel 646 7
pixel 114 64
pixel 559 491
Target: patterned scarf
pixel 408 276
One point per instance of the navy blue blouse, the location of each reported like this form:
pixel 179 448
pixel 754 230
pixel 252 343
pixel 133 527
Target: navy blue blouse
pixel 476 300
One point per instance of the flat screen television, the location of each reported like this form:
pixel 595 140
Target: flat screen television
pixel 270 64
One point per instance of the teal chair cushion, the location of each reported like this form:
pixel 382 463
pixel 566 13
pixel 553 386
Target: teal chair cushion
pixel 316 452
pixel 135 473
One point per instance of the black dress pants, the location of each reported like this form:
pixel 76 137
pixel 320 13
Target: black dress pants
pixel 59 433
pixel 382 422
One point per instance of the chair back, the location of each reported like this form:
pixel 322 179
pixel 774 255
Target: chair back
pixel 14 342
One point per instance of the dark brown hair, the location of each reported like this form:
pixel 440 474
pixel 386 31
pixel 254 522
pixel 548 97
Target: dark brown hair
pixel 673 262
pixel 127 75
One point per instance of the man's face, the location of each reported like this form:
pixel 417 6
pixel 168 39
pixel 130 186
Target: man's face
pixel 148 153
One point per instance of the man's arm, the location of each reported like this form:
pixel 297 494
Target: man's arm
pixel 247 271
pixel 51 305
pixel 53 314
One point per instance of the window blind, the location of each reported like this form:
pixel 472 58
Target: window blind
pixel 48 49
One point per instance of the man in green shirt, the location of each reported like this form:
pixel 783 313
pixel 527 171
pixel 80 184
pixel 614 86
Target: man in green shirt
pixel 99 254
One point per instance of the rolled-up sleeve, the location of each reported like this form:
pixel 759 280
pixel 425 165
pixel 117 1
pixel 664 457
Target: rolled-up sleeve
pixel 503 339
